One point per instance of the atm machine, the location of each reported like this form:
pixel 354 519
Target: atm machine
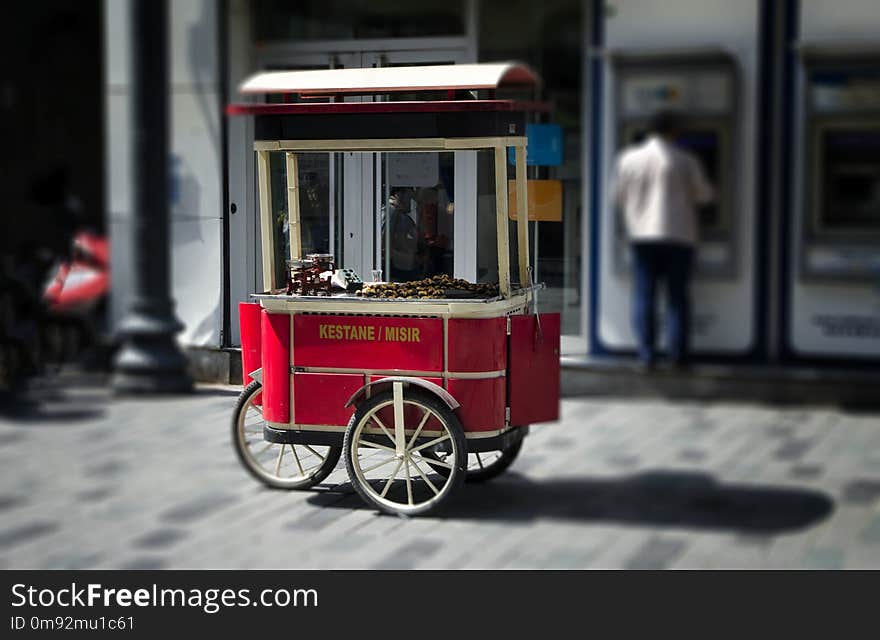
pixel 835 234
pixel 704 86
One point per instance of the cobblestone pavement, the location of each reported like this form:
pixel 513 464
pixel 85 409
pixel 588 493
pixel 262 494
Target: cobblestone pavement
pixel 90 482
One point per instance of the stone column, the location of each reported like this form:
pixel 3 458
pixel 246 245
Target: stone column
pixel 149 360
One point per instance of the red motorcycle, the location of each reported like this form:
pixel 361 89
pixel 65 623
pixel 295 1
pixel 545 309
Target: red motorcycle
pixel 75 298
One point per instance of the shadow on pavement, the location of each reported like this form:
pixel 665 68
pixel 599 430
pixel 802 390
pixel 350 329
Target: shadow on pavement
pixel 656 498
pixel 76 396
pixel 53 409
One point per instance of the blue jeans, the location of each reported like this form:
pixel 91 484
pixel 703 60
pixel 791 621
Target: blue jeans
pixel 671 262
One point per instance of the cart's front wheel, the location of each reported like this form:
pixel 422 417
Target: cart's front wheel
pixel 282 466
pixel 390 448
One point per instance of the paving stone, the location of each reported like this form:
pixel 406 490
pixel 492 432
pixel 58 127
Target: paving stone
pixel 410 555
pixel 560 443
pixel 656 553
pixel 10 502
pixel 26 533
pixel 568 559
pixel 703 424
pixel 754 540
pixel 624 461
pixel 793 449
pixel 806 471
pixel 72 561
pixel 9 438
pixel 871 533
pixel 94 495
pixel 198 508
pixel 525 462
pixel 863 491
pixel 109 468
pixel 327 515
pixel 160 538
pixel 781 431
pixel 822 558
pixel 145 562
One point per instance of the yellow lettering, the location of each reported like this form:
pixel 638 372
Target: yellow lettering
pixel 364 332
pixel 392 334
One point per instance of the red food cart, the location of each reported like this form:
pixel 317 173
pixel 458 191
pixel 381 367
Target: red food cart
pixel 417 390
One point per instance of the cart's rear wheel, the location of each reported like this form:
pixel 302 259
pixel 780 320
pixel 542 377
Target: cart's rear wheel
pixel 386 447
pixel 282 466
pixel 485 465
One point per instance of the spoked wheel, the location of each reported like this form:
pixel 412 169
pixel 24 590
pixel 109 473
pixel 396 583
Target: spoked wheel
pixel 485 465
pixel 282 466
pixel 391 445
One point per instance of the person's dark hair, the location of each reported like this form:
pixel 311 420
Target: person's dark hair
pixel 665 123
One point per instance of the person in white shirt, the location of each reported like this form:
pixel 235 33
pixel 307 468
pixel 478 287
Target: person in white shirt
pixel 658 187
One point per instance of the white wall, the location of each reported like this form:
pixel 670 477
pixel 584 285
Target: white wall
pixel 197 195
pixel 723 309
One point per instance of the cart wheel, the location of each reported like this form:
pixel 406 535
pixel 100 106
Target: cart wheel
pixel 486 465
pixel 282 466
pixel 404 483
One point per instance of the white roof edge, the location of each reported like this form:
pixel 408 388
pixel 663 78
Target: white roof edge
pixel 386 79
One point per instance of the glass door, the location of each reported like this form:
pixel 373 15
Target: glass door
pixel 421 207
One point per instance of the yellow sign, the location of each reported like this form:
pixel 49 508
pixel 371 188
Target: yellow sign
pixel 545 200
pixel 368 332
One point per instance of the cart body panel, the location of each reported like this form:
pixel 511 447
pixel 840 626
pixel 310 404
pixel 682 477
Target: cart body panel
pixel 249 314
pixel 477 344
pixel 319 398
pixel 534 368
pixel 482 403
pixel 368 342
pixel 275 337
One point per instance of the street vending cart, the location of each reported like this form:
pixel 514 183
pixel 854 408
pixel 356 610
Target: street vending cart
pixel 421 385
